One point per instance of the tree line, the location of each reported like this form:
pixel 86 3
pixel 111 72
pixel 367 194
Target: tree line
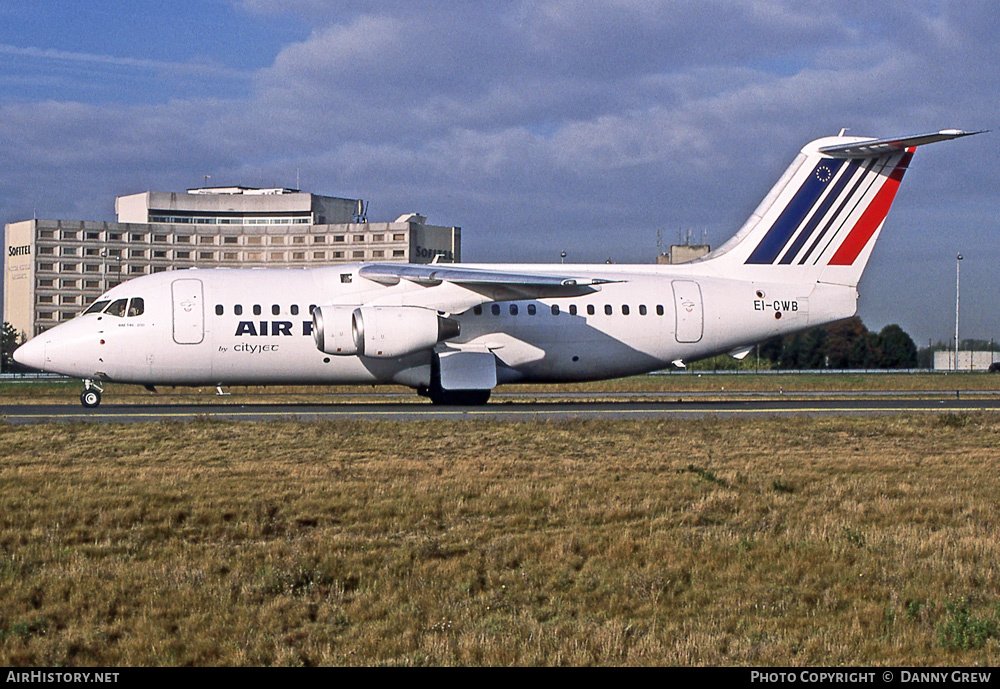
pixel 844 344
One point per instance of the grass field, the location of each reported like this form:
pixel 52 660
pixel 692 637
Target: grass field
pixel 784 541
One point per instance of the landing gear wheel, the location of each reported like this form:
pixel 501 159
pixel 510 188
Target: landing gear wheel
pixel 90 398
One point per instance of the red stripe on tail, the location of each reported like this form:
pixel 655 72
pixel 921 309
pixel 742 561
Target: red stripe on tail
pixel 872 218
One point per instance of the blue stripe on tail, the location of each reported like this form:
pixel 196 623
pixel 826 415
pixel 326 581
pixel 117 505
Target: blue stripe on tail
pixel 805 198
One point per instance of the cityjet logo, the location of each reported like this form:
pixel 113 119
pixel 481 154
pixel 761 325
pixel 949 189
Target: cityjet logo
pixel 19 250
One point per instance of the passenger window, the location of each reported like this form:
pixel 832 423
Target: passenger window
pixel 607 309
pixel 642 309
pixel 219 310
pixel 495 309
pixel 238 309
pixel 590 309
pixel 275 309
pixel 624 309
pixel 659 309
pixel 97 306
pixel 513 309
pixel 478 310
pixel 256 309
pixel 117 308
pixel 136 307
pixel 531 309
pixel 572 309
pixel 295 307
pixel 555 309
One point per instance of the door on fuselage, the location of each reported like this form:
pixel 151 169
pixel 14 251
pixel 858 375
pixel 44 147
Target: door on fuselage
pixel 188 311
pixel 690 324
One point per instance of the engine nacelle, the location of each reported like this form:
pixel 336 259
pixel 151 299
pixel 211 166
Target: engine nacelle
pixel 333 330
pixel 381 332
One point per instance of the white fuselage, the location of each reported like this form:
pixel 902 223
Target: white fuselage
pixel 222 326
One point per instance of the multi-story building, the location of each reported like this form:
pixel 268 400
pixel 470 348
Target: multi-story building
pixel 54 268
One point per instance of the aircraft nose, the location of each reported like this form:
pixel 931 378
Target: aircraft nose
pixel 31 353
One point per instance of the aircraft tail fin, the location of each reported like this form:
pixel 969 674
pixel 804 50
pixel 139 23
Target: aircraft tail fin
pixel 820 222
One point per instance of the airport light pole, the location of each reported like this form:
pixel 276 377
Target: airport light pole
pixel 958 291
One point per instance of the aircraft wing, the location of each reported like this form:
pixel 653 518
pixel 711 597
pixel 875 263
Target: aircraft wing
pixel 875 147
pixel 476 285
pixel 435 273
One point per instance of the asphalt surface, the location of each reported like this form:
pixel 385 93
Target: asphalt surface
pixel 501 410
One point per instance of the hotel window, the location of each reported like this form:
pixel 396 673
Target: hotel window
pixel 206 255
pixel 136 253
pixel 299 256
pixel 319 254
pixel 68 251
pixel 136 237
pixel 298 240
pixel 230 256
pixel 70 267
pixel 399 237
pixel 277 240
pixel 359 238
pixel 254 241
pixel 357 254
pixel 378 237
pixel 277 256
pixel 338 254
pixel 161 238
pixel 182 254
pixel 66 234
pixel 160 254
pixel 182 239
pixel 206 239
pixel 319 239
pixel 378 254
pixel 93 235
pixel 398 252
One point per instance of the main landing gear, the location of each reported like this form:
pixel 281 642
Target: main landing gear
pixel 91 395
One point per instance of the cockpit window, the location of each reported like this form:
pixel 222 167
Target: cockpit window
pixel 97 306
pixel 117 308
pixel 136 307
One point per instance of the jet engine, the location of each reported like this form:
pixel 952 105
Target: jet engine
pixel 381 332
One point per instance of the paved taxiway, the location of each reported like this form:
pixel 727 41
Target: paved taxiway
pixel 497 411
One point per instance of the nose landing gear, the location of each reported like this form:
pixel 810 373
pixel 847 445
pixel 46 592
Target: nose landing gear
pixel 91 395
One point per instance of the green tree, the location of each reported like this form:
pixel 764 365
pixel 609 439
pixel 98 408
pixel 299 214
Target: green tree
pixel 11 339
pixel 898 348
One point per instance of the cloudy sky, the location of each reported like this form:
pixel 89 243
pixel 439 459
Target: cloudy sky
pixel 536 126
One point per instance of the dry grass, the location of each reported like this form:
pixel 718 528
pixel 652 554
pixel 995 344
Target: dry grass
pixel 792 541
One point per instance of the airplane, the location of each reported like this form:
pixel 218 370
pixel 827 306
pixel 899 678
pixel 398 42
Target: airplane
pixel 453 332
